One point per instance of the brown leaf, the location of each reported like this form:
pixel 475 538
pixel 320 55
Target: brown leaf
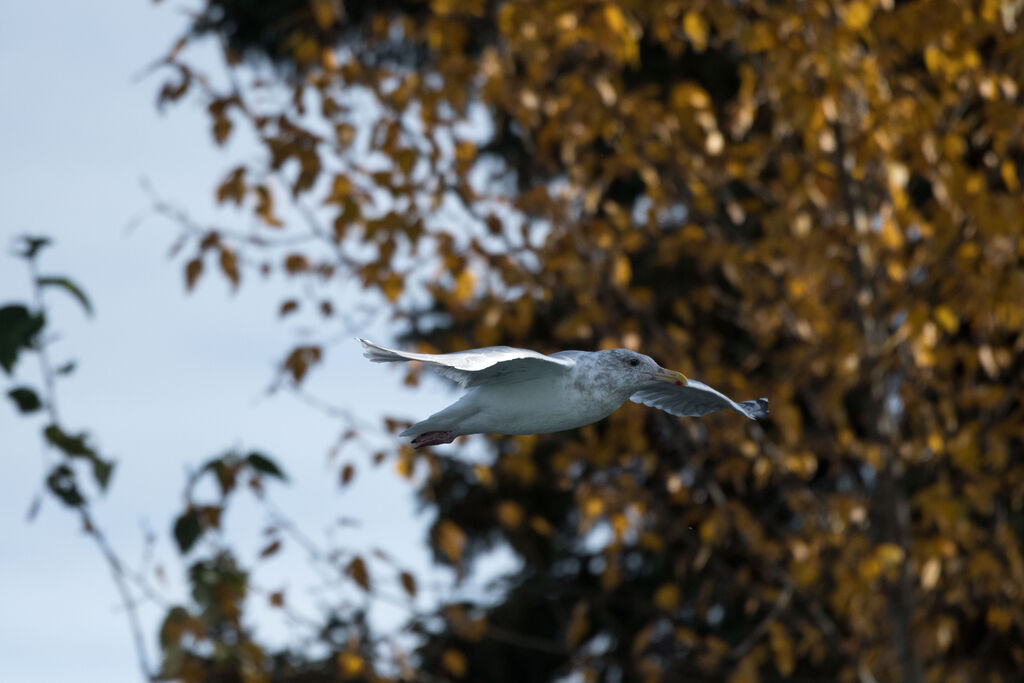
pixel 408 583
pixel 357 570
pixel 296 263
pixel 271 548
pixel 193 269
pixel 265 206
pixel 233 187
pixel 229 265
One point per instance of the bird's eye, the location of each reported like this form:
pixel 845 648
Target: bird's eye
pixel 634 362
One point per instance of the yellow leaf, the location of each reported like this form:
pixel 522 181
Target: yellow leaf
pixel 889 554
pixel 578 625
pixel 325 12
pixel 615 19
pixel 510 514
pixel 464 285
pixel 622 272
pixel 858 14
pixel 666 597
pixel 999 618
pixel 351 664
pixel 451 540
pixel 930 573
pixel 392 287
pixel 696 29
pixel 454 662
pixel 1008 170
pixel 946 319
pixel 465 151
pixel 541 526
pixel 782 648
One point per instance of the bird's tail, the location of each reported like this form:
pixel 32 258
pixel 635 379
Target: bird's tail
pixel 378 354
pixel 756 409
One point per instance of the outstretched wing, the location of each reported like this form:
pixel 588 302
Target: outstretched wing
pixel 476 366
pixel 695 399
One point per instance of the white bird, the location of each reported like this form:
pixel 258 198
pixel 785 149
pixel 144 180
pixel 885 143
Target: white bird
pixel 518 391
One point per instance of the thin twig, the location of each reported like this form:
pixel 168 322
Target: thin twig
pixel 92 529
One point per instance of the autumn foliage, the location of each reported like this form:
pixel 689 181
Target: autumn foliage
pixel 817 201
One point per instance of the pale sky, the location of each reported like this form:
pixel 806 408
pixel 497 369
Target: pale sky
pixel 164 380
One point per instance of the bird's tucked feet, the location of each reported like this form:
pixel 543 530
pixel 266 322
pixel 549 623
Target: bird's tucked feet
pixel 433 439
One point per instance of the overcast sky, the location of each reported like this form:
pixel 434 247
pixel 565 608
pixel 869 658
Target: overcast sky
pixel 164 380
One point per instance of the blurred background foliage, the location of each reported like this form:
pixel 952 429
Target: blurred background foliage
pixel 814 200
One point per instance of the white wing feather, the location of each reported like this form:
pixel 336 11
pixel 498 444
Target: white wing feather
pixel 476 366
pixel 695 399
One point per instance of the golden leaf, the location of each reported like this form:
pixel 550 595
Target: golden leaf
pixel 622 271
pixel 946 318
pixel 454 662
pixel 325 12
pixel 579 625
pixel 451 540
pixel 782 649
pixel 858 14
pixel 392 287
pixel 1008 172
pixel 464 285
pixel 541 526
pixel 696 29
pixel 351 664
pixel 510 514
pixel 666 597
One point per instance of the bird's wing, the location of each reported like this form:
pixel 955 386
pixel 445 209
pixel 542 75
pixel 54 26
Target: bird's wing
pixel 695 399
pixel 477 366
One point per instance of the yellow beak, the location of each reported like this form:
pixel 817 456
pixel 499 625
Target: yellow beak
pixel 677 378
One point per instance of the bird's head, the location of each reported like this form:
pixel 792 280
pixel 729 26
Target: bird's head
pixel 633 370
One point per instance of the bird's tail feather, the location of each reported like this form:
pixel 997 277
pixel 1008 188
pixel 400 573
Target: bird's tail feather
pixel 756 409
pixel 378 354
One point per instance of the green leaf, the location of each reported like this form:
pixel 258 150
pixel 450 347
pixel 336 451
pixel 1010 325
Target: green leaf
pixel 102 471
pixel 68 286
pixel 26 399
pixel 187 530
pixel 262 463
pixel 18 329
pixel 61 481
pixel 70 444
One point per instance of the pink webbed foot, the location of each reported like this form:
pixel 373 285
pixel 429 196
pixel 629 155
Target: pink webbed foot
pixel 433 439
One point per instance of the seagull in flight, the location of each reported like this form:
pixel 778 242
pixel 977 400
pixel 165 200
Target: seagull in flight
pixel 519 391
